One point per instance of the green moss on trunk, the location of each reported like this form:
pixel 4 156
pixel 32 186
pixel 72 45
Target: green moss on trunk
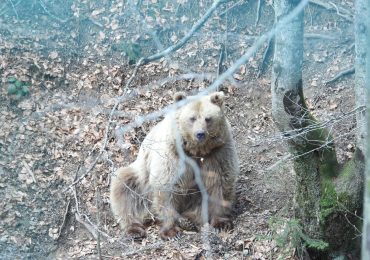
pixel 324 192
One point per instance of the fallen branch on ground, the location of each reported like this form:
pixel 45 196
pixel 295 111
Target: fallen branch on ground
pixel 342 12
pixel 342 73
pixel 319 36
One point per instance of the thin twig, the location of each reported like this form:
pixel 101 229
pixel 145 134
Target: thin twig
pixel 29 171
pixel 15 10
pixel 86 173
pixel 193 30
pixel 319 36
pixel 285 157
pixel 4 9
pixel 220 66
pixel 95 22
pixel 97 202
pixel 342 12
pixel 185 159
pixel 93 229
pixel 75 190
pixel 50 14
pixel 231 7
pixel 317 148
pixel 88 226
pixel 353 225
pixel 292 134
pixel 258 12
pixel 342 73
pixel 144 248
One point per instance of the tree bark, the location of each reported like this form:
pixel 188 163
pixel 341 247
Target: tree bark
pixel 323 190
pixel 288 110
pixel 366 213
pixel 360 68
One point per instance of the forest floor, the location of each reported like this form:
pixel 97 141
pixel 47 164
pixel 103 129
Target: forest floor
pixel 54 122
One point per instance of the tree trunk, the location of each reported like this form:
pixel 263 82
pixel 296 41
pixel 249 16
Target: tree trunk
pixel 366 225
pixel 322 191
pixel 360 68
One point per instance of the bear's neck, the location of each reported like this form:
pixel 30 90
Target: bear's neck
pixel 196 149
pixel 199 151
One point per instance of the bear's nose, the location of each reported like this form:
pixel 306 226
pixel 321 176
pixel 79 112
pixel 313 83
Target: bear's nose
pixel 201 135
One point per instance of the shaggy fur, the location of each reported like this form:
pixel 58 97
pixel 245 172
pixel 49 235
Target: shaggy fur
pixel 160 182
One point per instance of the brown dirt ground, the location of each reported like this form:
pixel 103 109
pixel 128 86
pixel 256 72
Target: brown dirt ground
pixel 55 133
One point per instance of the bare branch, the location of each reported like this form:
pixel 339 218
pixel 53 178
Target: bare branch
pixel 50 14
pixel 319 36
pixel 228 73
pixel 193 30
pixel 320 147
pixel 342 12
pixel 341 74
pixel 258 13
pixel 15 10
pixel 88 226
pixel 97 205
pixel 184 159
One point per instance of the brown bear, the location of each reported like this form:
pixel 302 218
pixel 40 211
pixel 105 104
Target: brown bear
pixel 190 152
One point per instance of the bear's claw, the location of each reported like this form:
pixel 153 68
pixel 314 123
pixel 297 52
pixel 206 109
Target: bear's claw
pixel 222 224
pixel 136 231
pixel 169 232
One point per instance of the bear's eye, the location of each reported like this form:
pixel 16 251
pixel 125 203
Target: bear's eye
pixel 192 119
pixel 208 119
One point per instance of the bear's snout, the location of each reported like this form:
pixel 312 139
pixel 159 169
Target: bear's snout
pixel 201 135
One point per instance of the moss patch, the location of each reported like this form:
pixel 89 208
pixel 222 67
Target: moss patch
pixel 331 201
pixel 328 200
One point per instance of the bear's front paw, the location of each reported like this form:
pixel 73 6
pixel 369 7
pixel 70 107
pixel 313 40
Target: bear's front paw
pixel 187 224
pixel 222 223
pixel 168 232
pixel 136 231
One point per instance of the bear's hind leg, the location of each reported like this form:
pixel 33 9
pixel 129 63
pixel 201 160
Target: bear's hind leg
pixel 127 201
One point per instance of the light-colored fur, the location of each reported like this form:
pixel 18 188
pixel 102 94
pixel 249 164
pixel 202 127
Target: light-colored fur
pixel 161 183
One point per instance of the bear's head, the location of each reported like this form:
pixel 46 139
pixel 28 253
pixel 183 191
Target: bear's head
pixel 202 123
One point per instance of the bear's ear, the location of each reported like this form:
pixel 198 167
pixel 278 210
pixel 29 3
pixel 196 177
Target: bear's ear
pixel 217 98
pixel 179 96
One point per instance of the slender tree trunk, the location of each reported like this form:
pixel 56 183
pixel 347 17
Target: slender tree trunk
pixel 360 66
pixel 291 116
pixel 323 191
pixel 366 225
